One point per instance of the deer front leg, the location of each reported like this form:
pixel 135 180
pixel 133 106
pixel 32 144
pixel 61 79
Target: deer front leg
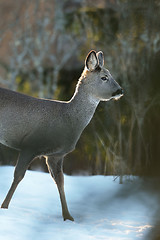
pixel 55 168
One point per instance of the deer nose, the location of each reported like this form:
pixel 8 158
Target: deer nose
pixel 119 91
pixel 122 91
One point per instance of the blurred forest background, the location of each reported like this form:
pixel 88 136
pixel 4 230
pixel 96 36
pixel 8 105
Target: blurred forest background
pixel 43 45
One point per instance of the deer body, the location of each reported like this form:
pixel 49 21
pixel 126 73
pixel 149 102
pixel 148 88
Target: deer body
pixel 37 127
pixel 39 121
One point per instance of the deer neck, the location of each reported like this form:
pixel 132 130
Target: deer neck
pixel 83 106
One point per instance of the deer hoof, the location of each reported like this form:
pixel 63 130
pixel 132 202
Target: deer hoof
pixel 4 206
pixel 69 217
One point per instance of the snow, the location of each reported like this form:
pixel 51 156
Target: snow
pixel 102 208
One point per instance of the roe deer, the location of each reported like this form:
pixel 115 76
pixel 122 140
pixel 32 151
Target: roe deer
pixel 39 127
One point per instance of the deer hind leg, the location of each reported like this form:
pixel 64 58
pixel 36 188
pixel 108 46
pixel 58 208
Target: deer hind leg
pixel 55 169
pixel 20 169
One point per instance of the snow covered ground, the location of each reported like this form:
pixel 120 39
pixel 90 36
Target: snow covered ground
pixel 102 208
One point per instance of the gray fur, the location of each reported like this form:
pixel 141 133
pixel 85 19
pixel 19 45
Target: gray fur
pixel 36 127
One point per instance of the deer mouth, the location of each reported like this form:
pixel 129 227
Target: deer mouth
pixel 118 94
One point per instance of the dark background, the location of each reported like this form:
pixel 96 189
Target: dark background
pixel 43 45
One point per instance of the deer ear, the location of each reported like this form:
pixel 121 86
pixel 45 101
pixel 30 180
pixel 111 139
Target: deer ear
pixel 91 61
pixel 100 57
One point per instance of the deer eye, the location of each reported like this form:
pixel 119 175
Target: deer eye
pixel 105 78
